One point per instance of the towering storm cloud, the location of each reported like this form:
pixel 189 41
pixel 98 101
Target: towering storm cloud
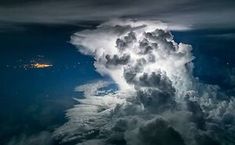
pixel 158 102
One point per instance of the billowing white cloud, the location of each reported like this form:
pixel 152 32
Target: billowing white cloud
pixel 158 101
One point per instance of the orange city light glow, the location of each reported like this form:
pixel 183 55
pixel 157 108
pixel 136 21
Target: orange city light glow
pixel 41 65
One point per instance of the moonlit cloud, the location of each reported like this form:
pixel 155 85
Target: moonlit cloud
pixel 158 100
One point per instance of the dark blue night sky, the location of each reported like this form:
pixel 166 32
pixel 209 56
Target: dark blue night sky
pixel 35 100
pixel 215 54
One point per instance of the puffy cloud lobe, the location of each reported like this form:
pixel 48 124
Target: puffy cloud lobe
pixel 116 60
pixel 157 131
pixel 145 47
pixel 123 43
pixel 158 101
pixel 155 101
pixel 159 80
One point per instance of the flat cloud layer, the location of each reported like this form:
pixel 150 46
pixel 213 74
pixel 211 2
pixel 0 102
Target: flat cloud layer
pixel 158 100
pixel 185 13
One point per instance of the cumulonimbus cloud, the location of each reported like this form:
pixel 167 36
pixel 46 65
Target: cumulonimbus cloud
pixel 158 100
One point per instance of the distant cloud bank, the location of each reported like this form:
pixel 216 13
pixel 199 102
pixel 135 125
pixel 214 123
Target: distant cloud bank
pixel 188 13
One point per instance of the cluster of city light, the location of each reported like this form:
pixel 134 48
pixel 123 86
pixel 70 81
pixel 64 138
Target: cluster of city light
pixel 41 65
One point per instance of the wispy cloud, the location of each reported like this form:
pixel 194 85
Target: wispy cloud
pixel 227 36
pixel 91 89
pixel 42 138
